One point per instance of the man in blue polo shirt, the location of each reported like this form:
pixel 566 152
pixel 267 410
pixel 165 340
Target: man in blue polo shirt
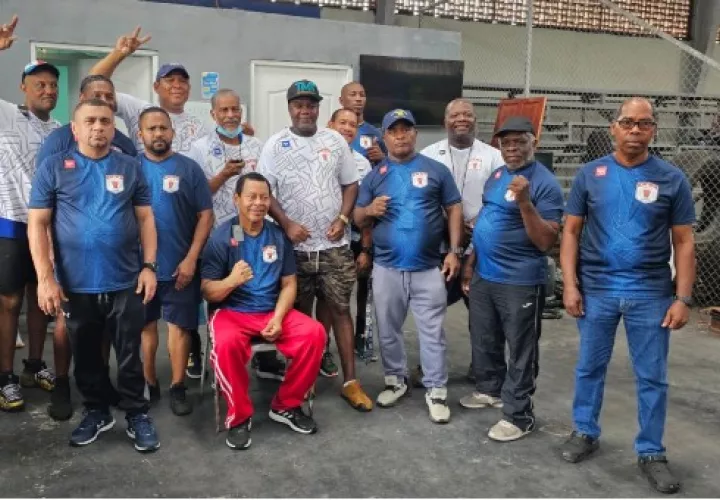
pixel 61 140
pixel 625 213
pixel 519 222
pixel 182 205
pixel 96 204
pixel 248 271
pixel 403 200
pixel 368 140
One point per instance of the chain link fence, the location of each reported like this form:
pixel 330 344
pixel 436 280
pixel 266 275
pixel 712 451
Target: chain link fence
pixel 586 77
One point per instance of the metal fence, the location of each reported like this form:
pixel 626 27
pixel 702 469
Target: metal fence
pixel 586 78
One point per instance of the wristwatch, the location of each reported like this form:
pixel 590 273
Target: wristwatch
pixel 343 218
pixel 688 301
pixel 456 250
pixel 150 265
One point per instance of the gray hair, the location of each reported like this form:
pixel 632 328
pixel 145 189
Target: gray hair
pixel 222 93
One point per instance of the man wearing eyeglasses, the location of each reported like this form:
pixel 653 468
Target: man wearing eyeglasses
pixel 23 129
pixel 631 209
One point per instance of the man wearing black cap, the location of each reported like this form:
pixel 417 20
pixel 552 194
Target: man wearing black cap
pixel 314 180
pixel 404 200
pixel 172 85
pixel 522 206
pixel 22 131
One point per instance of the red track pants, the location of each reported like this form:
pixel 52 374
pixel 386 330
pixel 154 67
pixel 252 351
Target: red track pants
pixel 302 342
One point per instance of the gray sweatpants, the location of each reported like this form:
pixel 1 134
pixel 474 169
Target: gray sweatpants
pixel 424 293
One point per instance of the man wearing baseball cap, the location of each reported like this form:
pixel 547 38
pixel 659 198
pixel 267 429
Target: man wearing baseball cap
pixel 403 200
pixel 505 274
pixel 22 131
pixel 314 180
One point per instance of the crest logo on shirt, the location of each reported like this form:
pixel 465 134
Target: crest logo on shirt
pixel 269 254
pixel 285 144
pixel 233 242
pixel 475 164
pixel 115 183
pixel 498 174
pixel 171 183
pixel 69 163
pixel 441 152
pixel 324 155
pixel 251 164
pixel 601 171
pixel 365 141
pixel 646 192
pixel 509 196
pixel 217 152
pixel 383 170
pixel 420 179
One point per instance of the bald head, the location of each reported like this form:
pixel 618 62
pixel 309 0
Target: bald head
pixel 637 104
pixel 459 102
pixel 352 97
pixel 633 130
pixel 460 123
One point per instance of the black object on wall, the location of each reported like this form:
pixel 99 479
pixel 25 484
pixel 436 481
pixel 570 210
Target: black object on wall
pixel 423 86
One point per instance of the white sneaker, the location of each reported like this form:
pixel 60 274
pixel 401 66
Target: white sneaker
pixel 479 400
pixel 507 431
pixel 395 388
pixel 436 399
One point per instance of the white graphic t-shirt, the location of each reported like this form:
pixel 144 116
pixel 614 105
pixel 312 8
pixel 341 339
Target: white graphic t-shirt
pixel 21 135
pixel 364 167
pixel 306 174
pixel 188 128
pixel 211 154
pixel 471 168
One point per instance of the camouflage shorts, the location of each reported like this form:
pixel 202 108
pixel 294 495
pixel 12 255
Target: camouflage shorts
pixel 327 274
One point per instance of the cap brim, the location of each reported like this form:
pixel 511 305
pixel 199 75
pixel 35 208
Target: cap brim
pixel 182 71
pixel 396 120
pixel 314 97
pixel 47 67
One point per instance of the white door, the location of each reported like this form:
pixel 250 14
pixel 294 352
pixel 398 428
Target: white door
pixel 269 81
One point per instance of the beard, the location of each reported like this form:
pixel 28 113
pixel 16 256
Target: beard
pixel 159 147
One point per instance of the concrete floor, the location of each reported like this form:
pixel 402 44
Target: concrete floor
pixel 389 452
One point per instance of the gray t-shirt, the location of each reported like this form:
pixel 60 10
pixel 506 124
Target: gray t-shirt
pixel 306 175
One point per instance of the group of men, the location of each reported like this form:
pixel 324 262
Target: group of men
pixel 109 233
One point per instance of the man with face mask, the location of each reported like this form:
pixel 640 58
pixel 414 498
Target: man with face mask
pixel 314 180
pixel 182 206
pixel 368 140
pixel 505 276
pixel 22 132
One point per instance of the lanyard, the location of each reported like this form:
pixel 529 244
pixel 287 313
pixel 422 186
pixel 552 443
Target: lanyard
pixel 467 162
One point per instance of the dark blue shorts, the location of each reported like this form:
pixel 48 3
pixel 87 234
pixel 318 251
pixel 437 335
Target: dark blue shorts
pixel 179 307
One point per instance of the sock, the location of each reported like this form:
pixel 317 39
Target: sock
pixel 349 382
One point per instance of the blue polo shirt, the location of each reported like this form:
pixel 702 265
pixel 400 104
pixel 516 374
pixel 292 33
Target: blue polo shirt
pixel 94 228
pixel 61 140
pixel 625 246
pixel 269 254
pixel 180 192
pixel 505 253
pixel 408 236
pixel 364 139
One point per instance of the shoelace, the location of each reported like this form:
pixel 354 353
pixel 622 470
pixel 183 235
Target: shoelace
pixel 11 391
pixel 142 424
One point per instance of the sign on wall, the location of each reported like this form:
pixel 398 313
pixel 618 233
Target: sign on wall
pixel 210 84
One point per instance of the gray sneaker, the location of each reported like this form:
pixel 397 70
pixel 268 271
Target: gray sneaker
pixel 436 400
pixel 479 400
pixel 395 388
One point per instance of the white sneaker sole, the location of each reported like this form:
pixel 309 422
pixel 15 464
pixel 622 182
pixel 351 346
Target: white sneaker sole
pixel 507 439
pixel 233 447
pixel 480 406
pixel 282 420
pixel 393 402
pixel 100 430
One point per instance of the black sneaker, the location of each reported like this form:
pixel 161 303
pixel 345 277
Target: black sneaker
pixel 93 423
pixel 194 366
pixel 140 429
pixel 154 394
pixel 238 437
pixel 179 403
pixel 328 368
pixel 578 447
pixel 60 407
pixel 268 366
pixel 658 474
pixel 295 419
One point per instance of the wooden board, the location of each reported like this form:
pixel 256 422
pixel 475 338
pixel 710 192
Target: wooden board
pixel 531 107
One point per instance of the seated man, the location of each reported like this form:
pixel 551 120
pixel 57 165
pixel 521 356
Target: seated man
pixel 248 271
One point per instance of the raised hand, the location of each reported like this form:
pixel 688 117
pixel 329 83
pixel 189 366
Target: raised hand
pixel 128 44
pixel 7 33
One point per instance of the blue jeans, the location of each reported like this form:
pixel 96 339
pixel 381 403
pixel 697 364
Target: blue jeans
pixel 648 343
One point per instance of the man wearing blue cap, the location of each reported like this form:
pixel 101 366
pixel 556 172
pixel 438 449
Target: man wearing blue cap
pixel 404 199
pixel 22 131
pixel 505 274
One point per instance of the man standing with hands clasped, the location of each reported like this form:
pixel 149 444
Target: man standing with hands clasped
pixel 625 213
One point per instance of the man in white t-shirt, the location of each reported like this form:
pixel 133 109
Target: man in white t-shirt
pixel 315 183
pixel 22 132
pixel 471 162
pixel 172 86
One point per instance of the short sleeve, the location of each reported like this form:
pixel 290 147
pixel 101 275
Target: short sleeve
pixel 549 200
pixel 142 195
pixel 59 141
pixel 365 194
pixel 266 165
pixel 203 196
pixel 449 190
pixel 288 268
pixel 683 206
pixel 348 171
pixel 8 113
pixel 497 159
pixel 129 109
pixel 43 190
pixel 214 265
pixel 577 200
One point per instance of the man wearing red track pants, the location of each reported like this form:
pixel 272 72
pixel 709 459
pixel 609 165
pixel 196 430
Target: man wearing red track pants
pixel 248 274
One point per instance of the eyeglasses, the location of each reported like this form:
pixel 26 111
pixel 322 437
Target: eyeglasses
pixel 629 124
